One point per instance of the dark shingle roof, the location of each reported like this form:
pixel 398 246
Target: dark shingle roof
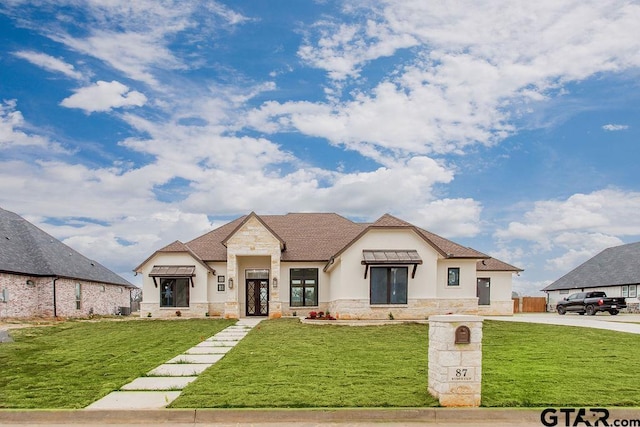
pixel 26 249
pixel 493 264
pixel 619 265
pixel 314 237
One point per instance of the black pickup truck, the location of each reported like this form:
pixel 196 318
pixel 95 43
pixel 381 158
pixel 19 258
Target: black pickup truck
pixel 591 303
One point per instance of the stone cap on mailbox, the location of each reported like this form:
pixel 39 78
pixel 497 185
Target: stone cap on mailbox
pixel 455 318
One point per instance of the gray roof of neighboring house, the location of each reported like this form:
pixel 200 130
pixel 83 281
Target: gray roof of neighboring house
pixel 26 249
pixel 619 265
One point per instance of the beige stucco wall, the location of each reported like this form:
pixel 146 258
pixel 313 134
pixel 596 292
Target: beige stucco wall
pixel 198 294
pixel 349 274
pixel 37 300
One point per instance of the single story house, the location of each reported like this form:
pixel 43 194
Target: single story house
pixel 615 271
pixel 283 265
pixel 41 276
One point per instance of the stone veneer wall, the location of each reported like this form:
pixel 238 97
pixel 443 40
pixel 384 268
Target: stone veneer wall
pixel 287 310
pixel 496 308
pixel 194 310
pixel 414 310
pixel 37 300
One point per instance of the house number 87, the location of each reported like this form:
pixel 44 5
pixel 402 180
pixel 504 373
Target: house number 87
pixel 461 373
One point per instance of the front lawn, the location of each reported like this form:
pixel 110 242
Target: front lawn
pixel 73 364
pixel 282 363
pixel 287 364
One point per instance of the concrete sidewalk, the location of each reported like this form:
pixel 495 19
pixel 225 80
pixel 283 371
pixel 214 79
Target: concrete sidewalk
pixel 164 384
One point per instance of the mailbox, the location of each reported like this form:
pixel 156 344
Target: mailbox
pixel 463 335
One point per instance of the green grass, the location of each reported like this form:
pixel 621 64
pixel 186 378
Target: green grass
pixel 287 364
pixel 72 364
pixel 534 365
pixel 282 363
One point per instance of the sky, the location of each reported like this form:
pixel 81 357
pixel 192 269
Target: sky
pixel 510 127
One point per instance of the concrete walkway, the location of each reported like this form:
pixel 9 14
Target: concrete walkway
pixel 629 323
pixel 164 384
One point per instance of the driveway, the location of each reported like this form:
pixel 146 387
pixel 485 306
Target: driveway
pixel 621 323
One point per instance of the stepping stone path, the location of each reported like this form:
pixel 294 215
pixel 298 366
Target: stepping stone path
pixel 164 383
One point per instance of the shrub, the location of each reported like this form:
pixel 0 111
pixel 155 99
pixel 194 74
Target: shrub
pixel 313 315
pixel 178 313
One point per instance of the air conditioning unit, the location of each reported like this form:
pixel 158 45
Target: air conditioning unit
pixel 125 311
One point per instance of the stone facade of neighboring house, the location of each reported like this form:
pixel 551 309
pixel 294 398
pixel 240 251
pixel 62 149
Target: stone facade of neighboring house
pixel 42 277
pixel 281 265
pixel 615 271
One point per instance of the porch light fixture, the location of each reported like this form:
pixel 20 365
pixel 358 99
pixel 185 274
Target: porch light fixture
pixel 30 283
pixel 275 282
pixel 230 283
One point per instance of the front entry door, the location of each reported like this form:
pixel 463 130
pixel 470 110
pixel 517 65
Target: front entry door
pixel 257 297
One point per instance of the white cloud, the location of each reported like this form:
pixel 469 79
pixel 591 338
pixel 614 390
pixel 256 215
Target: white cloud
pixel 613 128
pixel 134 37
pixel 471 75
pixel 571 231
pixel 103 96
pixel 15 132
pixel 50 63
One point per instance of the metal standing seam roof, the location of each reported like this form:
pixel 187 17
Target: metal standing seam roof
pixel 26 249
pixel 618 265
pixel 391 257
pixel 173 270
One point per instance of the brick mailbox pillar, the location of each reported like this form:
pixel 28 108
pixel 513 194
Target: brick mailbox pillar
pixel 455 359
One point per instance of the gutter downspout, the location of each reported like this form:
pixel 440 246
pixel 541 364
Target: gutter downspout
pixel 55 309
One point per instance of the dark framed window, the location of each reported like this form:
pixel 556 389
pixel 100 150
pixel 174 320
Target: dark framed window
pixel 220 283
pixel 389 285
pixel 304 287
pixel 453 276
pixel 174 292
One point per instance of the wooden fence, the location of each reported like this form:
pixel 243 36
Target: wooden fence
pixel 529 305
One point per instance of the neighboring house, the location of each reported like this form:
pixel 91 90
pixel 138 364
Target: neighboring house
pixel 615 271
pixel 278 265
pixel 41 276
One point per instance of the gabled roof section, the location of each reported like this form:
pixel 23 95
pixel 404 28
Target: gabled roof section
pixel 618 265
pixel 444 247
pixel 492 264
pixel 246 219
pixel 26 249
pixel 175 247
pixel 390 221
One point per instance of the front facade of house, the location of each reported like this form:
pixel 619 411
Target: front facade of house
pixel 42 277
pixel 283 265
pixel 614 271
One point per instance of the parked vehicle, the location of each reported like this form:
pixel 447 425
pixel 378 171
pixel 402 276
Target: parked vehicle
pixel 591 303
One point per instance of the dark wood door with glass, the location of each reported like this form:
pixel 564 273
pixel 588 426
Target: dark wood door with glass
pixel 257 293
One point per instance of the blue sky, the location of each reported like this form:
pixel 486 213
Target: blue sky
pixel 511 127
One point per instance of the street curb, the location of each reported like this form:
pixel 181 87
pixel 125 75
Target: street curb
pixel 194 417
pixel 319 415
